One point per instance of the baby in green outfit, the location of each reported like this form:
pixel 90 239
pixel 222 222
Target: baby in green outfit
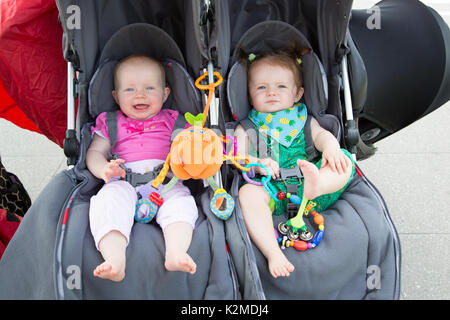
pixel 275 88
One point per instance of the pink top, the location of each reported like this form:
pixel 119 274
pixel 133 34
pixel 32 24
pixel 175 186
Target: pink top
pixel 140 140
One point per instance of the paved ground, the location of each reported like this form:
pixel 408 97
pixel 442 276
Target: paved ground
pixel 410 169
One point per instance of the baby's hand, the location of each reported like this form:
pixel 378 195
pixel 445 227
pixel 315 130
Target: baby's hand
pixel 112 169
pixel 272 165
pixel 336 160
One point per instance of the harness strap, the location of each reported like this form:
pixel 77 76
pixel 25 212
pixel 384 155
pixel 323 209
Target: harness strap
pixel 137 179
pixel 179 124
pixel 111 122
pixel 262 150
pixel 311 150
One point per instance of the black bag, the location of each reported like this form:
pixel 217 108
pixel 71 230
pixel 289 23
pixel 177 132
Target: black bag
pixel 13 196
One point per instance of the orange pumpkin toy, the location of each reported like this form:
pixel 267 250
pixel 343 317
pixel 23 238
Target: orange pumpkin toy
pixel 196 152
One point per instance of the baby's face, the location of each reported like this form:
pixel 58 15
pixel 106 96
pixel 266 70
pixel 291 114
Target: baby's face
pixel 272 88
pixel 140 92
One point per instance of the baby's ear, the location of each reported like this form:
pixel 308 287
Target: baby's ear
pixel 300 93
pixel 114 94
pixel 249 97
pixel 166 93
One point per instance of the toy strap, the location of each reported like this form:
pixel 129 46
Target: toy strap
pixel 169 185
pixel 213 183
pixel 160 178
pixel 211 87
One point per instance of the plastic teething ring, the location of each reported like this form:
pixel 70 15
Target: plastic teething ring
pixel 211 85
pixel 222 213
pixel 246 177
pixel 265 181
pixel 225 141
pixel 234 159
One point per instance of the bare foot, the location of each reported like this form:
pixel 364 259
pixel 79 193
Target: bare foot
pixel 279 265
pixel 181 262
pixel 311 174
pixel 112 270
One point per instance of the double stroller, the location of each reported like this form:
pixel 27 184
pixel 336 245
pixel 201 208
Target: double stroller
pixel 53 254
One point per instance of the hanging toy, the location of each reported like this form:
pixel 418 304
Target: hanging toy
pixel 294 225
pixel 197 153
pixel 146 208
pixel 222 204
pixel 290 229
pixel 248 173
pixel 151 196
pixel 294 232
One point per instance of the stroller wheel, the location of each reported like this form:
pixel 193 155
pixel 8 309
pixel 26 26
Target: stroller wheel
pixel 283 228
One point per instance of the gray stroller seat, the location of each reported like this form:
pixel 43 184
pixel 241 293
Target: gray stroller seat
pixel 55 237
pixel 358 258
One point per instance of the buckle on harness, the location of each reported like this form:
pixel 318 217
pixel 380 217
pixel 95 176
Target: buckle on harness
pixel 290 174
pixel 137 179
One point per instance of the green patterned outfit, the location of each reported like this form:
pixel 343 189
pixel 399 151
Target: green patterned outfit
pixel 287 158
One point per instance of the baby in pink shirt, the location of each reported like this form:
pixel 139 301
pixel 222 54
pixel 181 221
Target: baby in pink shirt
pixel 140 139
pixel 143 142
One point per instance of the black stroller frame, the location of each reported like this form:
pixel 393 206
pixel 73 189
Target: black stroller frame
pixel 360 257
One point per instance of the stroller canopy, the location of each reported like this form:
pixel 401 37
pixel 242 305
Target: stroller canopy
pixel 32 68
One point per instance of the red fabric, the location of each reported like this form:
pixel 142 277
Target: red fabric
pixel 32 66
pixel 9 110
pixel 7 230
pixel 2 249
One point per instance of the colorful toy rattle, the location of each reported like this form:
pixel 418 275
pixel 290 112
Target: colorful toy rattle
pixel 149 203
pixel 290 229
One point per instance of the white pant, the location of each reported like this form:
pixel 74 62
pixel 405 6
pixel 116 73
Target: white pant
pixel 114 206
